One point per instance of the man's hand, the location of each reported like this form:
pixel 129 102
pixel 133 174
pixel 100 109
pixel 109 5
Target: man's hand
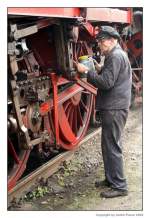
pixel 81 68
pixel 98 67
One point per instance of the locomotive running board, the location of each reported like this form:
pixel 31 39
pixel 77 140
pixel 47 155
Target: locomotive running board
pixel 84 84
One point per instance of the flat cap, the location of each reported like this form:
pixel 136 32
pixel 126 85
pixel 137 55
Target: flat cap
pixel 107 32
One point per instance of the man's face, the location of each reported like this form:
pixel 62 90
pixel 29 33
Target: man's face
pixel 105 45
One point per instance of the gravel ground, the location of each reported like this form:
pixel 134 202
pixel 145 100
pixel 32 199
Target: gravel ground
pixel 72 187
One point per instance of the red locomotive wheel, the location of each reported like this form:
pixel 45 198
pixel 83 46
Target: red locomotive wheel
pixel 17 159
pixel 74 116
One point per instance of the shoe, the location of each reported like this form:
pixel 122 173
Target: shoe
pixel 112 193
pixel 102 183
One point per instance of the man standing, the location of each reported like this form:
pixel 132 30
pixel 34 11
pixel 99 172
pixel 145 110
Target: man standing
pixel 114 83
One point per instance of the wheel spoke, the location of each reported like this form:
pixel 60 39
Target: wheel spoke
pixel 18 162
pixel 86 92
pixel 70 118
pixel 13 152
pixel 84 106
pixel 65 126
pixel 66 105
pixel 79 117
pixel 75 126
pixel 69 111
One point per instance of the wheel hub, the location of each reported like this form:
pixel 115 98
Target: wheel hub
pixel 33 118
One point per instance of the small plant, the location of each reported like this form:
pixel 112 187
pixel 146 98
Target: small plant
pixel 39 192
pixel 61 181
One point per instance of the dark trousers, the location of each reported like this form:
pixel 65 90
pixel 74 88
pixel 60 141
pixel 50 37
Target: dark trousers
pixel 113 122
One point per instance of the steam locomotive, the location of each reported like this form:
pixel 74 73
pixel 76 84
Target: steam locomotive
pixel 49 104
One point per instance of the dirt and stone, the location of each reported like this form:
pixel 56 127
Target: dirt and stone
pixel 72 187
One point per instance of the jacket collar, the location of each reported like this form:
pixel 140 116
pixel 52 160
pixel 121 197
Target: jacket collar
pixel 114 48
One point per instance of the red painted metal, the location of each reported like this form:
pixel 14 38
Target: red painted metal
pixel 130 15
pixel 93 14
pixel 87 86
pixel 62 97
pixel 45 57
pixel 108 15
pixel 131 44
pixel 47 12
pixel 65 127
pixel 90 29
pixel 44 108
pixel 19 165
pixel 13 152
pixel 74 118
pixel 54 79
